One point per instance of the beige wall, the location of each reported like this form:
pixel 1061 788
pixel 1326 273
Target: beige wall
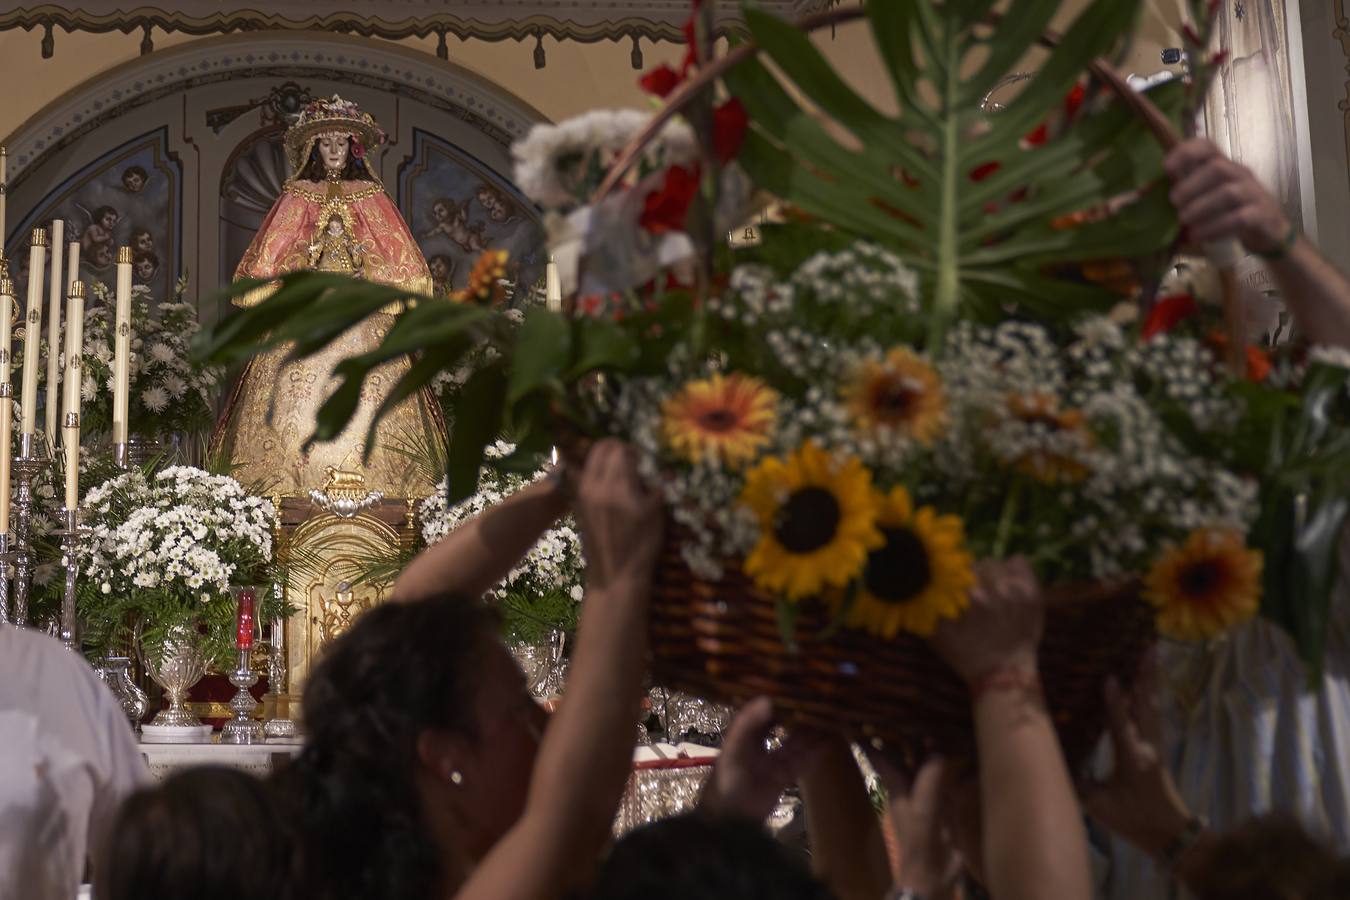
pixel 577 77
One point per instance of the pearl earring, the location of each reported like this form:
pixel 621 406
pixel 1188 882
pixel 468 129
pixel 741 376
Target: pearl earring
pixel 455 777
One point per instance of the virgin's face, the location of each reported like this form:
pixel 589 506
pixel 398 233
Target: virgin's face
pixel 333 150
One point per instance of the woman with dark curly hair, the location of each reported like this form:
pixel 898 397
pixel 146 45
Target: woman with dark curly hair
pixel 428 770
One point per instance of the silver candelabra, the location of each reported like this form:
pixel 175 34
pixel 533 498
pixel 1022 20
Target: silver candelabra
pixel 70 561
pixel 242 729
pixel 28 465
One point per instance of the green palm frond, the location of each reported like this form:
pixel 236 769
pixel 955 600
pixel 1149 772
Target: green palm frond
pixel 910 180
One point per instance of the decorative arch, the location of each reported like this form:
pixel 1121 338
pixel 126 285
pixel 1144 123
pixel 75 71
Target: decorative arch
pixel 216 101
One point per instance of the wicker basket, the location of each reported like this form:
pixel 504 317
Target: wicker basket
pixel 722 640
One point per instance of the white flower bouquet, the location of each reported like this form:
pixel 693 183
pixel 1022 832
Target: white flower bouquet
pixel 163 550
pixel 543 591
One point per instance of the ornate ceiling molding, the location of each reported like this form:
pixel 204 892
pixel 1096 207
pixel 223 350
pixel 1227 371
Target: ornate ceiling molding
pixel 494 112
pixel 491 20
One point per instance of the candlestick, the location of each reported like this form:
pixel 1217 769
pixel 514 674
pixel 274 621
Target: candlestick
pixel 32 332
pixel 74 376
pixel 242 729
pixel 277 702
pixel 30 462
pixel 70 559
pixel 6 405
pixel 54 329
pixel 121 357
pixel 552 287
pixel 4 189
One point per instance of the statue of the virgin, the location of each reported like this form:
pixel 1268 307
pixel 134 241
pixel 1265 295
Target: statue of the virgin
pixel 333 216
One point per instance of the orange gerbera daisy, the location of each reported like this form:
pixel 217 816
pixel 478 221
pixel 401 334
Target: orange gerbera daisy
pixel 1208 584
pixel 901 392
pixel 486 280
pixel 721 418
pixel 1049 466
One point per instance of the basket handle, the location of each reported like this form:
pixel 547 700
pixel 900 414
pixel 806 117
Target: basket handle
pixel 1223 256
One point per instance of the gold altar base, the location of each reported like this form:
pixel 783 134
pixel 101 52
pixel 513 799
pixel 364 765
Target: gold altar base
pixel 332 548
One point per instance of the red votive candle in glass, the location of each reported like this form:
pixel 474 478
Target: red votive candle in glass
pixel 244 620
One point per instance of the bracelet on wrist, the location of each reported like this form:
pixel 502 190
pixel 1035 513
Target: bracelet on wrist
pixel 1283 248
pixel 1006 678
pixel 1180 845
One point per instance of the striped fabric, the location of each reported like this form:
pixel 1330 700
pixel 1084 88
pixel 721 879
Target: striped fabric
pixel 1246 735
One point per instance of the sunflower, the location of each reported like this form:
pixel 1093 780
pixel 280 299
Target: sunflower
pixel 1045 465
pixel 817 517
pixel 901 391
pixel 1208 584
pixel 727 418
pixel 922 572
pixel 487 279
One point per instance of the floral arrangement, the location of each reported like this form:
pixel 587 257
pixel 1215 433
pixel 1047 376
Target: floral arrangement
pixel 171 393
pixel 162 552
pixel 923 363
pixel 543 591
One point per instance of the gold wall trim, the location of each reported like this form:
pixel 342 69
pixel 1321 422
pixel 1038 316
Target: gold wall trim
pixel 490 20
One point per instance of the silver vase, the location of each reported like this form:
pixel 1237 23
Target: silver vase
pixel 116 674
pixel 179 665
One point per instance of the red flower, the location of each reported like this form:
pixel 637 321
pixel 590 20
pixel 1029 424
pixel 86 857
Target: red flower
pixel 1167 313
pixel 667 209
pixel 661 81
pixel 691 41
pixel 730 121
pixel 1258 361
pixel 984 170
pixel 1038 136
pixel 1073 100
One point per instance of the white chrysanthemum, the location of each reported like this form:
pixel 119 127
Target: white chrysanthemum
pixel 155 398
pixel 161 353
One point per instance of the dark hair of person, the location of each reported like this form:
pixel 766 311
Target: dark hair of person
pixel 697 856
pixel 315 170
pixel 1270 857
pixel 135 170
pixel 149 257
pixel 103 211
pixel 206 833
pixel 401 669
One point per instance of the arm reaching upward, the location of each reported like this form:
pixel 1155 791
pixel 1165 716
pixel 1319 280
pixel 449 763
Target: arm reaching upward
pixel 586 755
pixel 482 551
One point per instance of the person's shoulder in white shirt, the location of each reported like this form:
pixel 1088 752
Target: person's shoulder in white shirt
pixel 68 758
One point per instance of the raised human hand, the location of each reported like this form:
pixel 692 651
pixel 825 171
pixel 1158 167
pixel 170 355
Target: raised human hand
pixel 621 520
pixel 1217 198
pixel 1001 629
pixel 748 777
pixel 1139 800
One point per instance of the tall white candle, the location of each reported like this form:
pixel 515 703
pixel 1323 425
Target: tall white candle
pixel 32 332
pixel 6 398
pixel 122 347
pixel 552 287
pixel 70 425
pixel 4 189
pixel 73 266
pixel 55 295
